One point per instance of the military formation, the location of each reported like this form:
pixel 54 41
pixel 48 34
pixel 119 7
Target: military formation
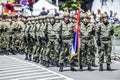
pixel 48 40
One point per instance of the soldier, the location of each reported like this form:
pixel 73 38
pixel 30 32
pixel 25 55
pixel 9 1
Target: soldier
pixel 59 39
pixel 67 36
pixel 87 42
pixel 5 26
pixel 105 32
pixel 10 35
pixel 36 42
pixel 52 33
pixel 1 35
pixel 25 38
pixel 43 41
pixel 18 34
pixel 29 48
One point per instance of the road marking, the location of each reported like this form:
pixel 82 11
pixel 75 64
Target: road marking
pixel 55 74
pixel 57 77
pixel 12 68
pixel 25 76
pixel 22 72
pixel 39 76
pixel 116 62
pixel 16 70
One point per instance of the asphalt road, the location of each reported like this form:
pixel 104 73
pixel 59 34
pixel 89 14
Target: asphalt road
pixel 14 67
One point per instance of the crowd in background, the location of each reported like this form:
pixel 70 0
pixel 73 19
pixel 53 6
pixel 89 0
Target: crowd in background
pixel 95 17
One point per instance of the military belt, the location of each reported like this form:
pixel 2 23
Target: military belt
pixel 105 39
pixel 66 37
pixel 87 38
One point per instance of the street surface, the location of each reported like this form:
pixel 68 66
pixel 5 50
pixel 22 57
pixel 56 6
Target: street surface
pixel 14 67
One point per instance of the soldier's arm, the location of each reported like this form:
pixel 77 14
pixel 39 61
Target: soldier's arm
pixel 111 32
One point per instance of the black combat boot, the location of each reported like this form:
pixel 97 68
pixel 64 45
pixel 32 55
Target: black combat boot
pixel 108 67
pixel 57 64
pixel 29 58
pixel 26 56
pixel 7 52
pixel 44 63
pixel 47 64
pixel 93 64
pixel 37 59
pixel 72 67
pixel 34 59
pixel 61 67
pixel 41 61
pixel 13 52
pixel 81 68
pixel 89 67
pixel 101 67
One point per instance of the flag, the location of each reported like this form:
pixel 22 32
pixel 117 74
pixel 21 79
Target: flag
pixel 23 2
pixel 76 38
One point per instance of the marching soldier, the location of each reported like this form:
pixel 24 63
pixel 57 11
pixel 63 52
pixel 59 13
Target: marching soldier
pixel 52 33
pixel 36 41
pixel 29 47
pixel 105 32
pixel 87 42
pixel 43 41
pixel 5 26
pixel 1 39
pixel 67 36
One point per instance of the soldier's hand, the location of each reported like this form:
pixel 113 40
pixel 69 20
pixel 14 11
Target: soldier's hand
pixel 116 34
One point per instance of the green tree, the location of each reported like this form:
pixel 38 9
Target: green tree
pixel 72 4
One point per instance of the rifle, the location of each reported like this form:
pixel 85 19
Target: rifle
pixel 60 35
pixel 46 33
pixel 99 37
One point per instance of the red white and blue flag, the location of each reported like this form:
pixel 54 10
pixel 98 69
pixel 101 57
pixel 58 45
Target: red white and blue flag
pixel 76 38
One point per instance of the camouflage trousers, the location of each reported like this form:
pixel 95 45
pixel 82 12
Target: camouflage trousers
pixel 36 50
pixel 87 51
pixel 51 50
pixel 65 50
pixel 105 51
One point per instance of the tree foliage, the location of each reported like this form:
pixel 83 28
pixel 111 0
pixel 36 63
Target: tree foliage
pixel 72 4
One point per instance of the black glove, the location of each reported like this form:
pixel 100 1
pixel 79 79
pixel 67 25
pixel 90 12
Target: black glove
pixel 98 42
pixel 59 40
pixel 116 34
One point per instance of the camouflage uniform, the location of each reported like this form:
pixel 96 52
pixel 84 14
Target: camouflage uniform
pixel 52 34
pixel 5 26
pixel 87 42
pixel 67 36
pixel 105 32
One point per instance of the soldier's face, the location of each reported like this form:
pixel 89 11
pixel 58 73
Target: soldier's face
pixel 41 20
pixel 105 19
pixel 25 20
pixel 66 18
pixel 10 20
pixel 56 20
pixel 71 19
pixel 52 19
pixel 47 19
pixel 85 19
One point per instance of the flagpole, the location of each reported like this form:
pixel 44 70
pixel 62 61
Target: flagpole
pixel 79 41
pixel 79 59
